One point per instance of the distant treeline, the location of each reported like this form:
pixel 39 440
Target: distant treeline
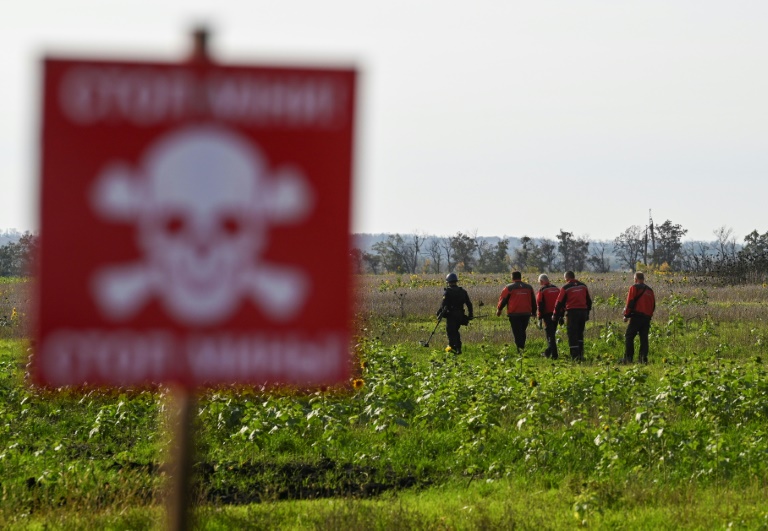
pixel 654 247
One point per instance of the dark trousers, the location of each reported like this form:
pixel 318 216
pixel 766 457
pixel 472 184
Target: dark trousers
pixel 550 327
pixel 638 325
pixel 519 324
pixel 452 325
pixel 576 320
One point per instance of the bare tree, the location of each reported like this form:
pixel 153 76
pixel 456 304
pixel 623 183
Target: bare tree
pixel 373 261
pixel 629 245
pixel 726 241
pixel 399 254
pixel 445 245
pixel 435 253
pixel 597 259
pixel 413 250
pixel 694 256
pixel 356 258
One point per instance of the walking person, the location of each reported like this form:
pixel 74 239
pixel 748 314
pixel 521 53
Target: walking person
pixel 545 307
pixel 641 303
pixel 573 303
pixel 452 308
pixel 520 301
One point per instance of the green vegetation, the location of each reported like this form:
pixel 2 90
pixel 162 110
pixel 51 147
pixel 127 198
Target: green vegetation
pixel 15 295
pixel 427 439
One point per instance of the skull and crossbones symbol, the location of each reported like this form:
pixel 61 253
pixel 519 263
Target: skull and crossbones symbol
pixel 202 200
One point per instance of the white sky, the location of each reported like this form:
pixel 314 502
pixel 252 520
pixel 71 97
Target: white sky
pixel 502 117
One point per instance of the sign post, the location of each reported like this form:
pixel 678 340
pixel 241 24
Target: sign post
pixel 194 225
pixel 182 460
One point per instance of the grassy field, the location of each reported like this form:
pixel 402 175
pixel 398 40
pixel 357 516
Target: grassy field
pixel 426 439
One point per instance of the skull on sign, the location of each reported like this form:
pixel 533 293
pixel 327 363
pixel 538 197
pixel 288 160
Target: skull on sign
pixel 202 202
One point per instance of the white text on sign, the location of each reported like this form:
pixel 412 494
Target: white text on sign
pixel 147 97
pixel 83 355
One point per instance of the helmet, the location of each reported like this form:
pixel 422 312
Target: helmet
pixel 452 277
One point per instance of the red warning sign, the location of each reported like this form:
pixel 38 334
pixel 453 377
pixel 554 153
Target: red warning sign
pixel 195 224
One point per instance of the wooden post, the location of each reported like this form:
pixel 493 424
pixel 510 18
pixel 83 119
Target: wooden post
pixel 184 402
pixel 183 412
pixel 200 38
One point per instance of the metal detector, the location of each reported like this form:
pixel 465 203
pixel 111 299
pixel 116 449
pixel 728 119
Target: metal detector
pixel 426 343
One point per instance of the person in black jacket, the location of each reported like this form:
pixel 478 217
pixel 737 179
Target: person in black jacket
pixel 452 308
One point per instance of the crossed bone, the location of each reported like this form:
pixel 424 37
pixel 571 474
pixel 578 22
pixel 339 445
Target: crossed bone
pixel 122 291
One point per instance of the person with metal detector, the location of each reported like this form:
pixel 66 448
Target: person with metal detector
pixel 452 309
pixel 426 343
pixel 520 301
pixel 545 307
pixel 641 303
pixel 572 307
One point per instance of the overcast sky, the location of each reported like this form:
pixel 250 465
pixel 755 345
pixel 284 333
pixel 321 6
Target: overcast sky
pixel 496 117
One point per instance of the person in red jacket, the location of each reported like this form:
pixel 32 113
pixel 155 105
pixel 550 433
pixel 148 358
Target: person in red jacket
pixel 641 303
pixel 520 301
pixel 545 307
pixel 574 303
